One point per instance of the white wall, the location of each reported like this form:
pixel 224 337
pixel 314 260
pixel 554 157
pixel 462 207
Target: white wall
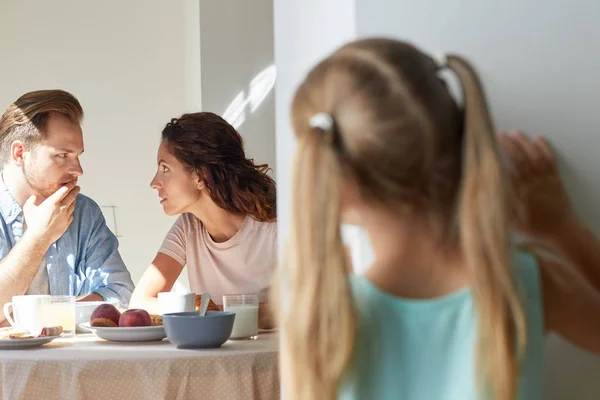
pixel 540 66
pixel 538 62
pixel 238 73
pixel 133 65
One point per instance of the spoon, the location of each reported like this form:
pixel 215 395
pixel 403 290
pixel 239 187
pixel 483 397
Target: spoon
pixel 204 303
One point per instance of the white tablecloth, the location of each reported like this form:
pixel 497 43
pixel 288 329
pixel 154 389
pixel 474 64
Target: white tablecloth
pixel 85 367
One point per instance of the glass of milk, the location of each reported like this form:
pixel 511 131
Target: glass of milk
pixel 245 307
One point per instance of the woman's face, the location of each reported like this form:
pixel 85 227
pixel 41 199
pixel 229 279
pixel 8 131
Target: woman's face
pixel 178 189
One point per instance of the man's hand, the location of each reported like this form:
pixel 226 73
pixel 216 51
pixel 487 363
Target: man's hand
pixel 90 297
pixel 50 219
pixel 542 207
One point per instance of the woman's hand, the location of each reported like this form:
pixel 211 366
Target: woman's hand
pixel 160 276
pixel 541 206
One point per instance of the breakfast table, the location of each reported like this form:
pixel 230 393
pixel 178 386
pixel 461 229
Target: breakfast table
pixel 86 367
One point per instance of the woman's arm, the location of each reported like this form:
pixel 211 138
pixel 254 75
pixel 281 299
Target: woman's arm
pixel 159 277
pixel 576 243
pixel 571 304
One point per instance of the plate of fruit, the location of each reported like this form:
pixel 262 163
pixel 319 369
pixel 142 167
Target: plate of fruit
pixel 134 325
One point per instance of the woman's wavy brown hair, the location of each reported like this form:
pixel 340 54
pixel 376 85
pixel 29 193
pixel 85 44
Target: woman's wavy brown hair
pixel 208 145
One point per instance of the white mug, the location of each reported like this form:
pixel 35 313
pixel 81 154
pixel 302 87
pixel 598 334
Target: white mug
pixel 28 312
pixel 172 302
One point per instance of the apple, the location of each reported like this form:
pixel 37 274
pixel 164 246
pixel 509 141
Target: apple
pixel 135 317
pixel 105 315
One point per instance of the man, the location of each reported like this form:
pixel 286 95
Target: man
pixel 53 240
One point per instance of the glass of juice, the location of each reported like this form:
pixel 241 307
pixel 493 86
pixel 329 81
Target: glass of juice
pixel 60 311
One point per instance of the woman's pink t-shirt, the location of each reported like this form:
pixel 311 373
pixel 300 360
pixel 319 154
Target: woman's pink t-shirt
pixel 242 265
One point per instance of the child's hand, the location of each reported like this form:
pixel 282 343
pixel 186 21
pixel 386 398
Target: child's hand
pixel 542 206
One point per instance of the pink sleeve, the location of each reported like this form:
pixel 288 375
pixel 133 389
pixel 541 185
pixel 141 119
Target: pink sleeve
pixel 174 244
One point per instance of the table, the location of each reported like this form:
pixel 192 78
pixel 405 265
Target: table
pixel 85 367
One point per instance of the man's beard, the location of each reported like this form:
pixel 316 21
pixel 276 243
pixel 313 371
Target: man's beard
pixel 39 185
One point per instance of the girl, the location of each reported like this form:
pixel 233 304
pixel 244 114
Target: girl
pixel 449 309
pixel 226 233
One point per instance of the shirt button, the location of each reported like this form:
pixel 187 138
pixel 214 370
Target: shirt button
pixel 19 218
pixel 17 238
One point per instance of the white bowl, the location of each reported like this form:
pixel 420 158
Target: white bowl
pixel 84 310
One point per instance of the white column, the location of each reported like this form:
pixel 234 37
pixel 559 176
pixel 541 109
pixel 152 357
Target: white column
pixel 305 32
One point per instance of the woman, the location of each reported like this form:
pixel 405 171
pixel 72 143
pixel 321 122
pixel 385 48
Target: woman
pixel 226 232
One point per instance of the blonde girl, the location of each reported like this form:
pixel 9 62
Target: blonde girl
pixel 449 309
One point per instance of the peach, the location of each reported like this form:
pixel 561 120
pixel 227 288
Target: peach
pixel 105 315
pixel 135 317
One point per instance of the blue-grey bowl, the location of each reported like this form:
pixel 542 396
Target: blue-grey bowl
pixel 188 330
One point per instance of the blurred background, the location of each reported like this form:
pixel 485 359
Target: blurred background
pixel 134 65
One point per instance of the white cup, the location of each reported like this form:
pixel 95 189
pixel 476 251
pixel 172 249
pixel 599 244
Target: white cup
pixel 28 312
pixel 172 302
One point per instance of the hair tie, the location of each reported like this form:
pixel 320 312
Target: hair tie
pixel 322 121
pixel 440 59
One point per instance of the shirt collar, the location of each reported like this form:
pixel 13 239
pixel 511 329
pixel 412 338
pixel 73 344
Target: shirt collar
pixel 9 208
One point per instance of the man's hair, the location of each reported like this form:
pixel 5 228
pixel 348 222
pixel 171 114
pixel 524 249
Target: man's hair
pixel 27 117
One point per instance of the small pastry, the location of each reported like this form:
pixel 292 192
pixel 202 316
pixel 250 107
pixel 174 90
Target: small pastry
pixel 212 306
pixel 103 322
pixel 156 319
